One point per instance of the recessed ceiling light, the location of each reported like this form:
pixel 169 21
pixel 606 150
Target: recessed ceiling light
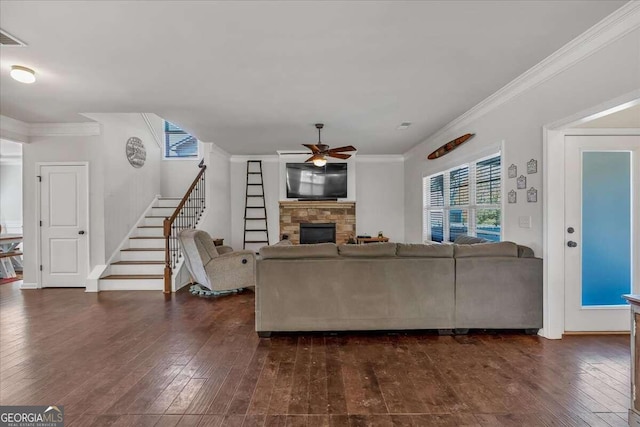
pixel 23 74
pixel 403 126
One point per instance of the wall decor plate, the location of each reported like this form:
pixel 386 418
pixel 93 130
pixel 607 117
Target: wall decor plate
pixel 136 153
pixel 532 195
pixel 513 196
pixel 532 166
pixel 450 146
pixel 521 182
pixel 513 171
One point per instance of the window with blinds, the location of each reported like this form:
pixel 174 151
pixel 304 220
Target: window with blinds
pixel 465 200
pixel 178 144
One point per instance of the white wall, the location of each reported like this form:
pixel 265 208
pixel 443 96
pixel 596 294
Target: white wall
pixel 610 72
pixel 377 188
pixel 62 149
pixel 217 219
pixel 11 197
pixel 380 197
pixel 271 177
pixel 127 190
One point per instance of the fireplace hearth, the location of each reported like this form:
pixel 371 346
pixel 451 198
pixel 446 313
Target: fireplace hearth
pixel 318 233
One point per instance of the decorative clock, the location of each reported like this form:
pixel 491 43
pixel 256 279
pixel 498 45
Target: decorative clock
pixel 136 153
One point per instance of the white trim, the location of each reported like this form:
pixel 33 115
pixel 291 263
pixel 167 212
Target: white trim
pixel 619 23
pixel 243 158
pixel 29 286
pixel 214 148
pixel 553 221
pixel 38 168
pixel 628 99
pixel 93 280
pixel 19 131
pixel 13 130
pixel 64 129
pixel 153 132
pixel 602 132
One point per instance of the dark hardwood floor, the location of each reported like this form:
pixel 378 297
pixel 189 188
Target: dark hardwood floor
pixel 138 359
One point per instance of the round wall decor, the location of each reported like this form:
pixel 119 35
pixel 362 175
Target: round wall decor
pixel 136 153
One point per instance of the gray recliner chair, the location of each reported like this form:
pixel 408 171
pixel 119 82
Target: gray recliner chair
pixel 217 268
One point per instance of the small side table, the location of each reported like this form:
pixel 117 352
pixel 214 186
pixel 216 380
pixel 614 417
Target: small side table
pixel 218 242
pixel 363 240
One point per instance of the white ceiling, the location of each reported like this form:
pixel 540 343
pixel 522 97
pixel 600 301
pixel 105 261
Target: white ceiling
pixel 253 77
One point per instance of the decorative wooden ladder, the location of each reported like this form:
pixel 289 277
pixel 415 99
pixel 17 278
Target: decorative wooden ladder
pixel 256 230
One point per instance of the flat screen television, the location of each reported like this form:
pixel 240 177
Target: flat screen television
pixel 307 181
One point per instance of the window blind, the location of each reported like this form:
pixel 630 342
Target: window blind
pixel 459 186
pixel 178 143
pixel 488 181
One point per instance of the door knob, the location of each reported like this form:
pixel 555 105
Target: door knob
pixel 572 244
pixel 81 232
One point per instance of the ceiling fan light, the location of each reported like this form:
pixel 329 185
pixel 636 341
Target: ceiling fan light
pixel 23 74
pixel 320 162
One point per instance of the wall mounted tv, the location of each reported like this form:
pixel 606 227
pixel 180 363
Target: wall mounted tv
pixel 307 181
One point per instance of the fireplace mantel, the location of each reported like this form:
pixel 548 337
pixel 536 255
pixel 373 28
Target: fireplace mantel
pixel 293 213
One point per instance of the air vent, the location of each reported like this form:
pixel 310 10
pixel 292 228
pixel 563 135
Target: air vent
pixel 404 125
pixel 7 39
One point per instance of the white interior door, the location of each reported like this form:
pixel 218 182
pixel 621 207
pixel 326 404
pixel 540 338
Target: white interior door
pixel 64 224
pixel 601 230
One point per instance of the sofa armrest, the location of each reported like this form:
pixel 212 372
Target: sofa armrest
pixel 232 270
pixel 224 249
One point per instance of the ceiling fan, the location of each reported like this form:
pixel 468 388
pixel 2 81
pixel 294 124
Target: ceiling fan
pixel 320 151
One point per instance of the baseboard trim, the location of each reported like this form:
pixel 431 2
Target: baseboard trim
pixel 29 286
pixel 569 333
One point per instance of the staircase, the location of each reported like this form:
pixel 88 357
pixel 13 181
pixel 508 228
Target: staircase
pixel 141 264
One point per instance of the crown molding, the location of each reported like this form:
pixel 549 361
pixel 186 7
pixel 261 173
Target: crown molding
pixel 265 158
pixel 13 130
pixel 615 26
pixel 214 148
pixel 19 131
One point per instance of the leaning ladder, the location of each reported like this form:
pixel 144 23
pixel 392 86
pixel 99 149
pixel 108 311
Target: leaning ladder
pixel 256 231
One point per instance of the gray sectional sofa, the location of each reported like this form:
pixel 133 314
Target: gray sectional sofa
pixel 389 286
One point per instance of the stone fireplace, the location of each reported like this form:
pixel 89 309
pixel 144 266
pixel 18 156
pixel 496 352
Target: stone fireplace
pixel 294 213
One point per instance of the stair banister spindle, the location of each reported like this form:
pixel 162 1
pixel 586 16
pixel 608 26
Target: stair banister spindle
pixel 184 216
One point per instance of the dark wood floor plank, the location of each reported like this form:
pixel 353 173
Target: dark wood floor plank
pixel 143 359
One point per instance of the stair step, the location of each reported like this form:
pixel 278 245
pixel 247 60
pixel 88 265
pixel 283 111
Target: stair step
pixel 133 276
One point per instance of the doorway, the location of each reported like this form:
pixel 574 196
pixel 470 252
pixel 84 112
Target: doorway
pixel 601 174
pixel 63 225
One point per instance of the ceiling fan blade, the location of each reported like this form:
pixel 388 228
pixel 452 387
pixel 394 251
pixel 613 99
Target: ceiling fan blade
pixel 314 157
pixel 338 155
pixel 313 147
pixel 345 148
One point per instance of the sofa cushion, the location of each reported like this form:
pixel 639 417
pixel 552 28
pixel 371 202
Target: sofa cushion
pixel 426 251
pixel 319 250
pixel 383 249
pixel 463 239
pixel 497 249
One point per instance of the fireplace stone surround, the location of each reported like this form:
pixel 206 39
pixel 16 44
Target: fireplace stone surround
pixel 294 213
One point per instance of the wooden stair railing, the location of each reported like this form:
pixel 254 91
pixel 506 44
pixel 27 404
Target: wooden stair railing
pixel 186 215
